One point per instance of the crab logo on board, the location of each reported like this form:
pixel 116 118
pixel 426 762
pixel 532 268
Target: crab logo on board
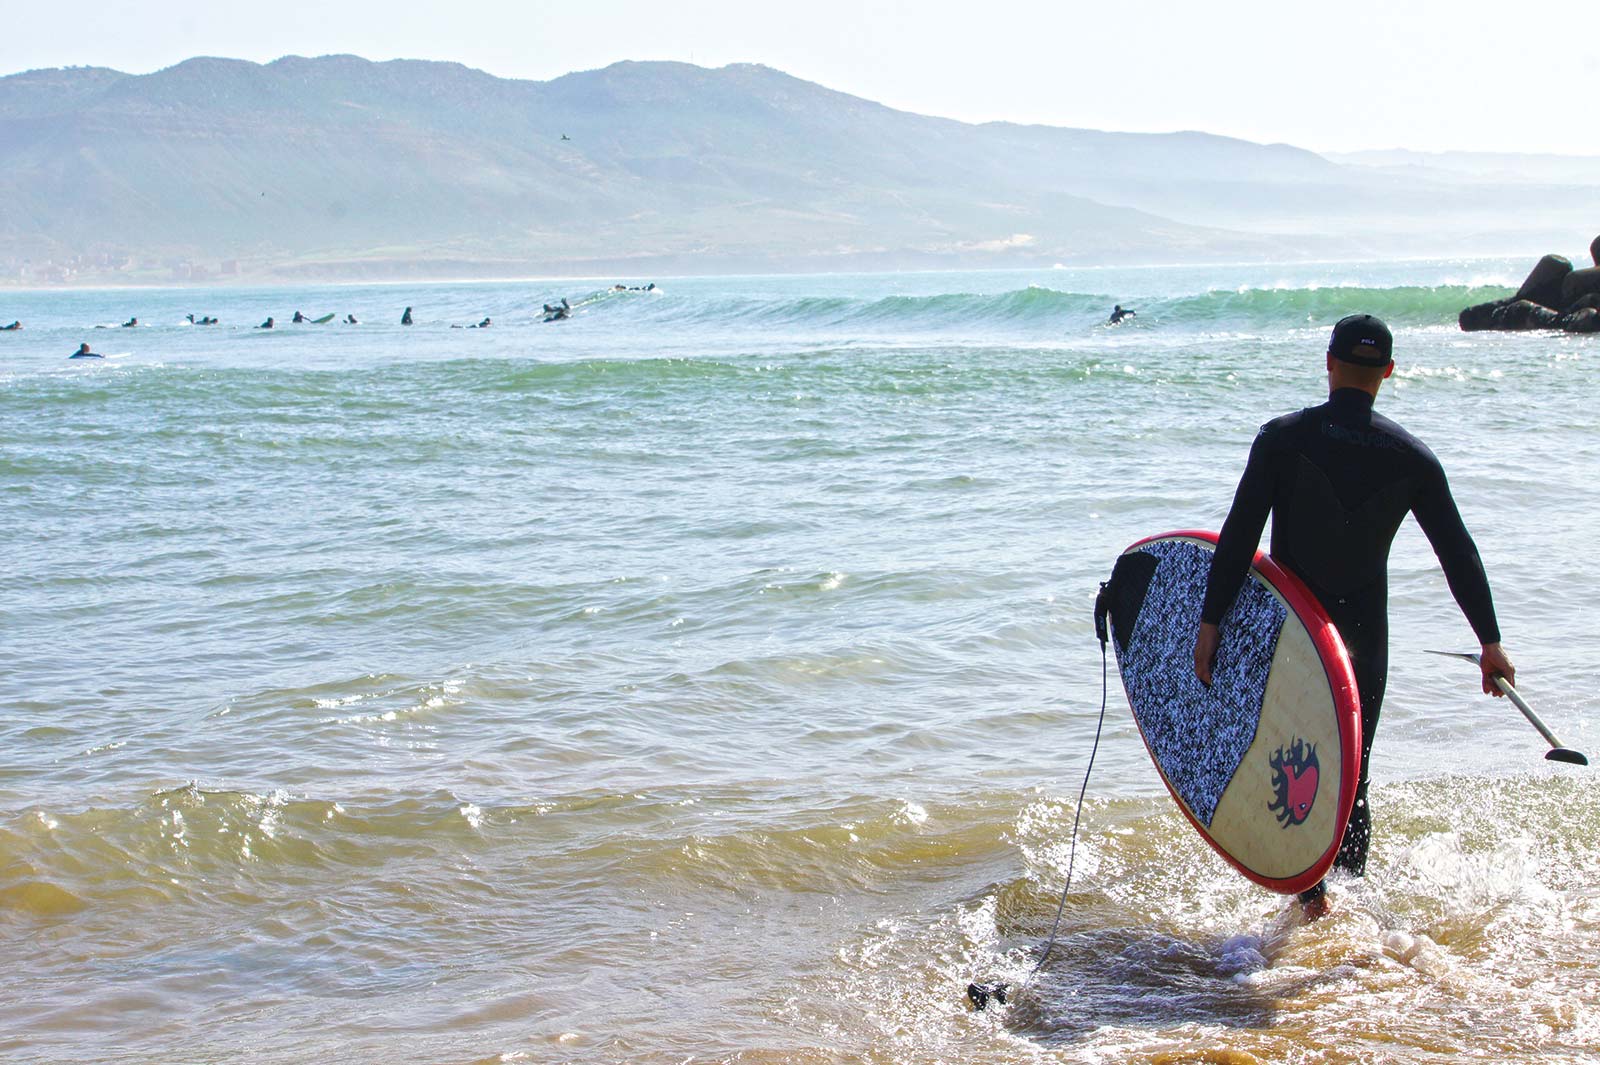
pixel 1295 773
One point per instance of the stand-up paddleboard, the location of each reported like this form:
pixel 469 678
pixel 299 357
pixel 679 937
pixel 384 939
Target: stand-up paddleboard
pixel 1264 763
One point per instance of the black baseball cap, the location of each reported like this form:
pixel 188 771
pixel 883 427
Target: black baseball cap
pixel 1363 340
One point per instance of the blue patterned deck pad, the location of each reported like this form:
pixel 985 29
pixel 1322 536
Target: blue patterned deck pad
pixel 1197 735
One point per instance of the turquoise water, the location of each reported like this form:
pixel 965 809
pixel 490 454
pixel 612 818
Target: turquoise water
pixel 709 676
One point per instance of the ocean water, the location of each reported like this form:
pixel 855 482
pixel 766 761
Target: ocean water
pixel 710 677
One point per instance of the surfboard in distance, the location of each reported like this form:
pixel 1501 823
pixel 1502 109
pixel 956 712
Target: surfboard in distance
pixel 1264 762
pixel 324 320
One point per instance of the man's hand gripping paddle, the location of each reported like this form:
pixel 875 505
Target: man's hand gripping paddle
pixel 1557 752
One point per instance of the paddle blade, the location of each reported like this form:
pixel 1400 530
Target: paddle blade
pixel 1566 754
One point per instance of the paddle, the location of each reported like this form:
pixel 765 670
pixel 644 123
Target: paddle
pixel 1557 753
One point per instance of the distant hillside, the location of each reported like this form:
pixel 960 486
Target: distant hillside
pixel 1493 167
pixel 340 167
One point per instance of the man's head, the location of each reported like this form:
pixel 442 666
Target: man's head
pixel 1594 251
pixel 1360 353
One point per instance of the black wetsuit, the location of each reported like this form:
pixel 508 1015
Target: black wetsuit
pixel 1339 479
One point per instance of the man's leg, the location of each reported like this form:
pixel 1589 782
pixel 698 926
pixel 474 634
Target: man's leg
pixel 1369 658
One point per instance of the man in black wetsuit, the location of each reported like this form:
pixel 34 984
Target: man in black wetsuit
pixel 1338 480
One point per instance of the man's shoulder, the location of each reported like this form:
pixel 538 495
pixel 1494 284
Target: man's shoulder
pixel 1393 429
pixel 1286 424
pixel 1382 433
pixel 1296 427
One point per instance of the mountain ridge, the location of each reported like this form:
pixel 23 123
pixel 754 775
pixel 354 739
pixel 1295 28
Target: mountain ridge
pixel 338 166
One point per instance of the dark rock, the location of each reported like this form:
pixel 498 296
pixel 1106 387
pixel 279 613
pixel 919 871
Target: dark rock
pixel 1480 316
pixel 1525 314
pixel 1575 286
pixel 1513 314
pixel 1584 320
pixel 1551 284
pixel 1543 284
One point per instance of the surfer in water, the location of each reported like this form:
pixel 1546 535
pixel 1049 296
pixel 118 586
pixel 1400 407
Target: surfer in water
pixel 1118 313
pixel 12 328
pixel 405 319
pixel 83 352
pixel 1338 479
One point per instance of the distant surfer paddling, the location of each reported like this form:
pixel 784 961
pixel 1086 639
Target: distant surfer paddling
pixel 555 312
pixel 1338 479
pixel 83 352
pixel 1119 312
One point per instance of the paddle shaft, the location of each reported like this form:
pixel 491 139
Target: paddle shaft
pixel 1558 751
pixel 1527 711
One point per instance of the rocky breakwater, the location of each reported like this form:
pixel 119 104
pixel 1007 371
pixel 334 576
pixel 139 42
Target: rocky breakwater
pixel 1555 296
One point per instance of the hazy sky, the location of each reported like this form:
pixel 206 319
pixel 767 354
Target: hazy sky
pixel 1328 76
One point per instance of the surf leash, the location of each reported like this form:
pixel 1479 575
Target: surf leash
pixel 980 995
pixel 1558 752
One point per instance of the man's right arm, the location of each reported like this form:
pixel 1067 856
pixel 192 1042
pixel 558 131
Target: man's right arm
pixel 1236 547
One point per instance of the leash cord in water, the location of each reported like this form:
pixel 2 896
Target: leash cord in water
pixel 981 994
pixel 1077 816
pixel 1072 851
